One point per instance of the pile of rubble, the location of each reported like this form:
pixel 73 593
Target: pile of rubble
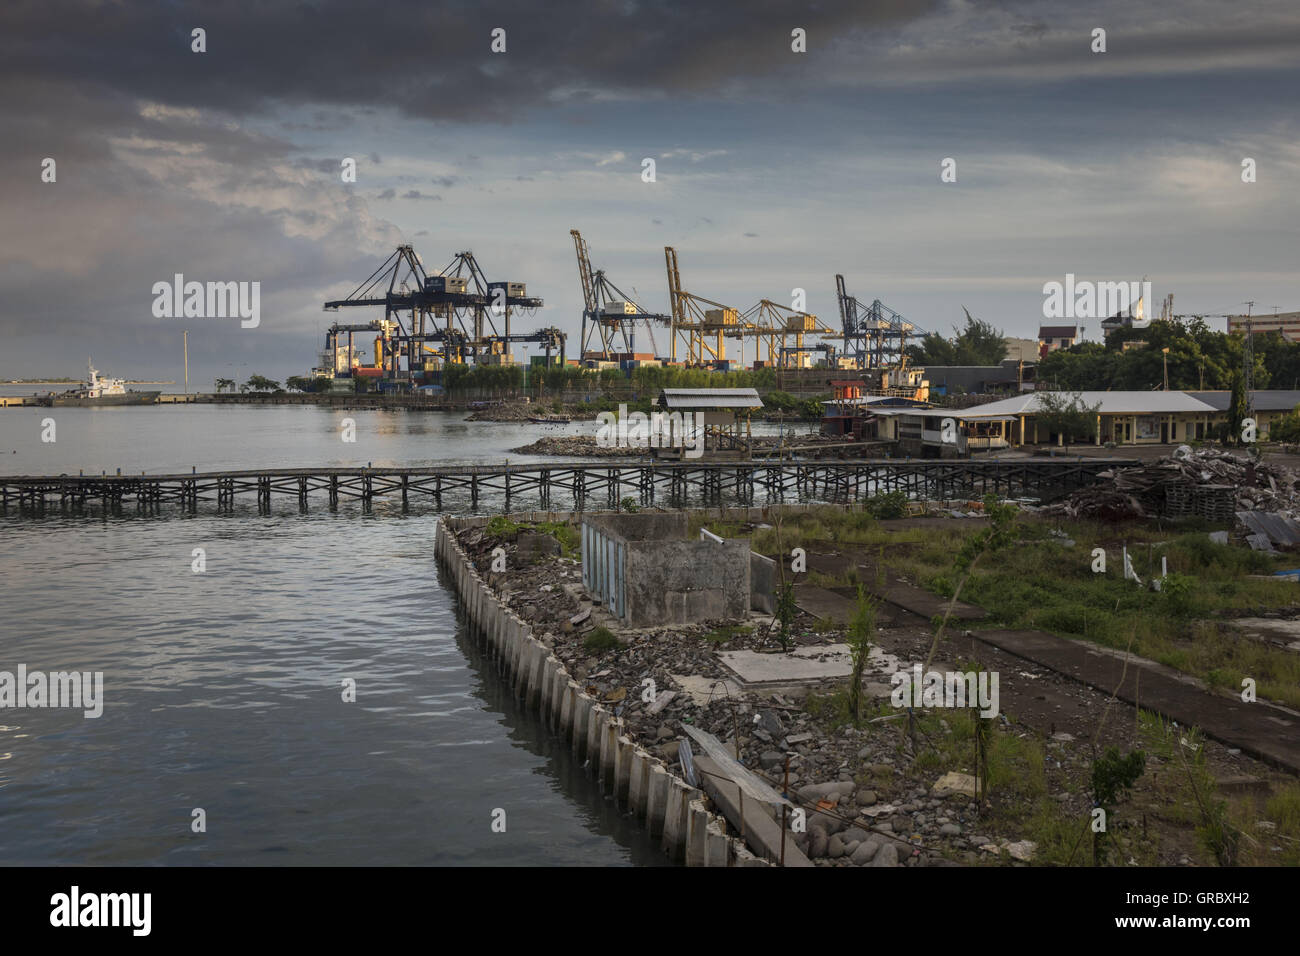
pixel 1208 482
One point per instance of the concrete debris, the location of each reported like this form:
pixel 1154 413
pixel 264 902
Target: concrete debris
pixel 1211 483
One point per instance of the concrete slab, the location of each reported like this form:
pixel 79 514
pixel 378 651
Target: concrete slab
pixel 702 689
pixel 1265 731
pixel 762 833
pixel 819 662
pixel 1271 630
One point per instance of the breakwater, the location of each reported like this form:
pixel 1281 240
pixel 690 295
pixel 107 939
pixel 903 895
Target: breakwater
pixel 673 811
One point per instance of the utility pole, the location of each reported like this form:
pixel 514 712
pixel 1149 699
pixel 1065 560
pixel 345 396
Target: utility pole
pixel 1248 363
pixel 186 341
pixel 1164 356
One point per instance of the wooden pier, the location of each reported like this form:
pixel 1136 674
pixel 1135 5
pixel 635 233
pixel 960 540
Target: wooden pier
pixel 477 488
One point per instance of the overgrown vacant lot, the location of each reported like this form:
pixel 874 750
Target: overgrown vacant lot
pixel 1046 581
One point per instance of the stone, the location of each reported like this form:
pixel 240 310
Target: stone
pixel 976 840
pixel 886 856
pixel 818 842
pixel 856 833
pixel 866 798
pixel 865 852
pixel 837 848
pixel 1022 850
pixel 954 783
pixel 829 823
pixel 771 759
pixel 950 829
pixel 834 792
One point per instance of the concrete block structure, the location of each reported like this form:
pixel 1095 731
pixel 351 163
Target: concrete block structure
pixel 645 570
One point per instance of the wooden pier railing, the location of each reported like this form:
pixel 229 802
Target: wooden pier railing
pixel 498 487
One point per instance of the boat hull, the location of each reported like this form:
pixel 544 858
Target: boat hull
pixel 130 398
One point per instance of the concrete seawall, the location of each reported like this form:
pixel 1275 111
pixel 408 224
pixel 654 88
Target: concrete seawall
pixel 639 782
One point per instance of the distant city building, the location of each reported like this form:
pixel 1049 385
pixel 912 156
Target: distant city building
pixel 1053 337
pixel 1117 322
pixel 1021 350
pixel 1288 323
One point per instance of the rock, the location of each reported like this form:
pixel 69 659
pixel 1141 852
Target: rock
pixel 886 856
pixel 950 829
pixel 865 852
pixel 919 820
pixel 664 732
pixel 953 782
pixel 771 759
pixel 866 798
pixel 837 848
pixel 978 841
pixel 1022 850
pixel 818 842
pixel 856 833
pixel 770 722
pixel 825 821
pixel 835 792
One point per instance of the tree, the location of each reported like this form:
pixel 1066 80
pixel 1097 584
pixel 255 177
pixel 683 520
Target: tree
pixel 979 343
pixel 222 384
pixel 1067 415
pixel 260 383
pixel 861 630
pixel 1236 411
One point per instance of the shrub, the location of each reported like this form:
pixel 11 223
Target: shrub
pixel 600 639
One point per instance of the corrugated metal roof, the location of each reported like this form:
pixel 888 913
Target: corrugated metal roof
pixel 976 414
pixel 1266 399
pixel 1111 403
pixel 710 398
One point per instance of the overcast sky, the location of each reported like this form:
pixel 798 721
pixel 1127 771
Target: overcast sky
pixel 775 169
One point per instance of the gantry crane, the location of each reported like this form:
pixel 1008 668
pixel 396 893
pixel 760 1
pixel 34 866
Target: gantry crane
pixel 608 312
pixel 702 330
pixel 453 308
pixel 774 324
pixel 875 335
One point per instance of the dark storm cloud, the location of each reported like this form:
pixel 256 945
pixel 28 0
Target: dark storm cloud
pixel 428 60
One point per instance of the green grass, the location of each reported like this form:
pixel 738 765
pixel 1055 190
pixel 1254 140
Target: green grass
pixel 569 537
pixel 600 639
pixel 727 633
pixel 1042 584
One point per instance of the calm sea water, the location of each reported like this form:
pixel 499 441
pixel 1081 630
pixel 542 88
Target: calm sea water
pixel 223 690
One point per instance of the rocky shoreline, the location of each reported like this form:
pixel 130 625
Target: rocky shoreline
pixel 873 793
